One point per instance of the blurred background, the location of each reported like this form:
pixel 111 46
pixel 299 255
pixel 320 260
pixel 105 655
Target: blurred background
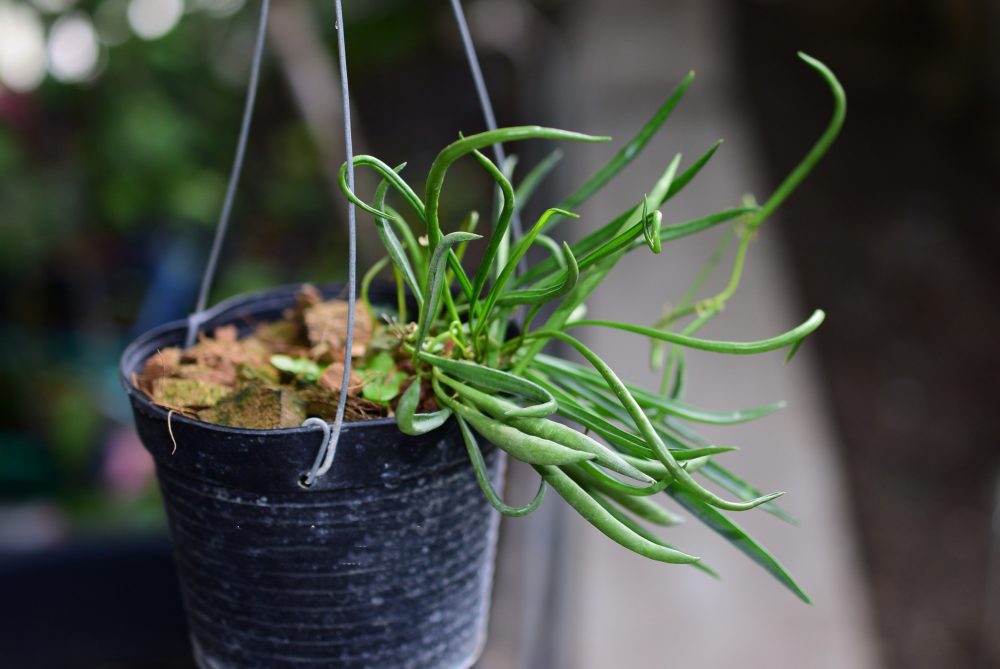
pixel 118 121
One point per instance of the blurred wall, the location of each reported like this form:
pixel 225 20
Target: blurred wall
pixel 896 236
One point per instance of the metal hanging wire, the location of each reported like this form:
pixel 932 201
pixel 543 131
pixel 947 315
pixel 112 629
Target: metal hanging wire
pixel 196 319
pixel 322 466
pixel 484 102
pixel 330 434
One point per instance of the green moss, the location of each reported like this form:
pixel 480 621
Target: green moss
pixel 184 393
pixel 257 407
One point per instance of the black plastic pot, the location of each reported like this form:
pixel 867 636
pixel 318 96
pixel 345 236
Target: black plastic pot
pixel 384 562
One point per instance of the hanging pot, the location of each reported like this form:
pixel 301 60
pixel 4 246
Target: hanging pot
pixel 386 561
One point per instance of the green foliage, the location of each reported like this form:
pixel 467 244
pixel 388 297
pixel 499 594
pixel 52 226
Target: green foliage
pixel 302 368
pixel 382 379
pixel 501 386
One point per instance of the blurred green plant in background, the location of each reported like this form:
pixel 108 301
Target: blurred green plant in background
pixel 118 121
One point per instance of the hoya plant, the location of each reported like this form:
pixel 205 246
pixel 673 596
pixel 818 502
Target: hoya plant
pixel 475 345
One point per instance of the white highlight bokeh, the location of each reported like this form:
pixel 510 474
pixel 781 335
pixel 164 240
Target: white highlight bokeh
pixel 152 19
pixel 22 47
pixel 73 52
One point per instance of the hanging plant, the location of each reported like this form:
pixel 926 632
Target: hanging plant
pixel 383 538
pixel 459 355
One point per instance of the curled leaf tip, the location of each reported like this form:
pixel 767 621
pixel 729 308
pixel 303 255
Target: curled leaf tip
pixel 749 504
pixel 651 230
pixel 564 212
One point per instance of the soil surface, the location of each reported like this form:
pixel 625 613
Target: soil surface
pixel 283 372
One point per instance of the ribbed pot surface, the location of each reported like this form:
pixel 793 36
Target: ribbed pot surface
pixel 384 562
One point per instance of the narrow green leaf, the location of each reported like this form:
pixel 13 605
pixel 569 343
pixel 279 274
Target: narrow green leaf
pixel 517 253
pixel 594 475
pixel 793 350
pixel 610 526
pixel 680 374
pixel 418 254
pixel 497 380
pixel 730 347
pixel 500 230
pixel 524 447
pixel 624 519
pixel 505 411
pixel 542 295
pixel 366 284
pixel 649 434
pixel 465 145
pixel 628 152
pixel 389 175
pixel 734 484
pixel 593 479
pixel 586 285
pixel 459 272
pixel 647 399
pixel 685 177
pixel 818 149
pixel 393 245
pixel 434 282
pixel 554 249
pixel 483 477
pixel 735 535
pixel 610 408
pixel 574 411
pixel 669 233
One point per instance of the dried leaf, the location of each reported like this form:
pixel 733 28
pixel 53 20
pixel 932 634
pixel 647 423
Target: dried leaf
pixel 333 376
pixel 326 329
pixel 160 365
